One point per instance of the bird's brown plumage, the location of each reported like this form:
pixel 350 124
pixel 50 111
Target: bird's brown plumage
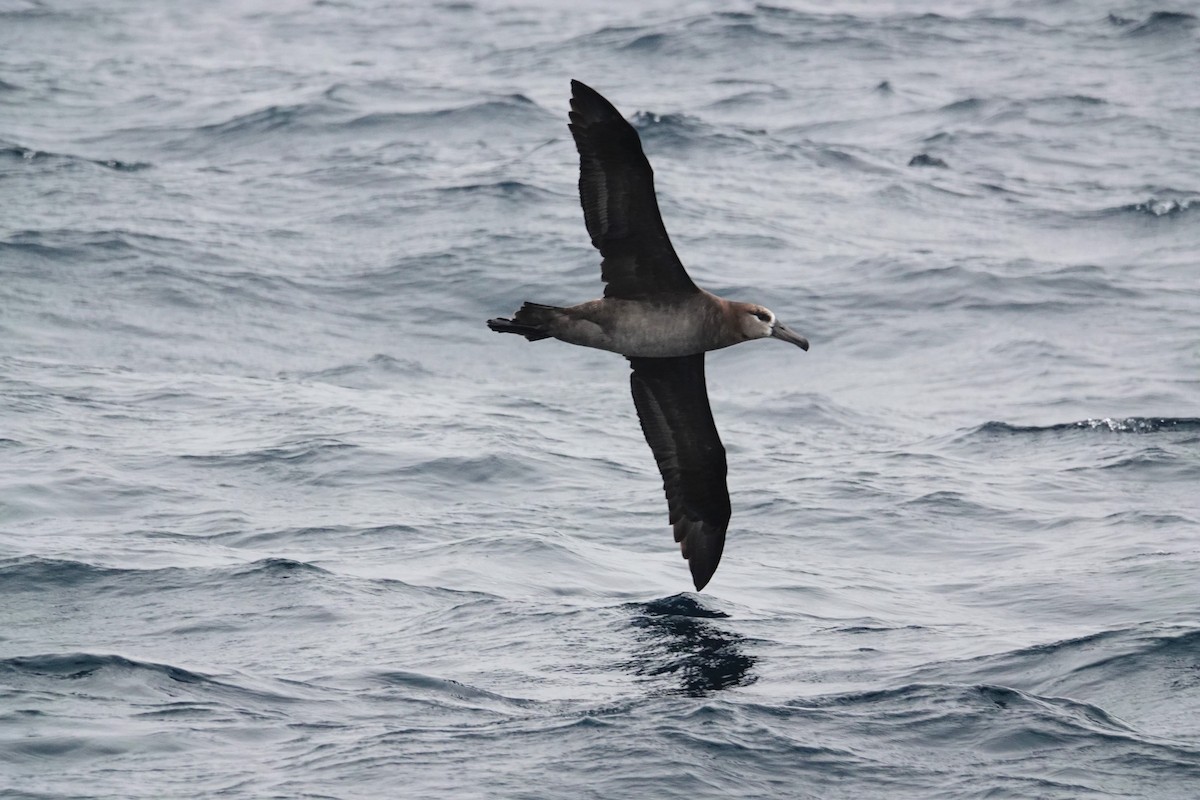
pixel 653 314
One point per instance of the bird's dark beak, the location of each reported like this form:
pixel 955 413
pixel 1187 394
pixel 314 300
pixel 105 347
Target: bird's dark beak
pixel 781 331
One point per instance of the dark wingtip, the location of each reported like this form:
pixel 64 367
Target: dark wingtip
pixel 701 575
pixel 588 105
pixel 578 90
pixel 703 555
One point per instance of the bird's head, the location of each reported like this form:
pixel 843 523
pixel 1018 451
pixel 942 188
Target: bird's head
pixel 758 322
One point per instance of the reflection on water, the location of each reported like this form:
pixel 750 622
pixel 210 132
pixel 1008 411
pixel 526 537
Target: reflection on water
pixel 679 638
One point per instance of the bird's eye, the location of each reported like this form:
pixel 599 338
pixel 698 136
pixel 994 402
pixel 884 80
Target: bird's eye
pixel 762 315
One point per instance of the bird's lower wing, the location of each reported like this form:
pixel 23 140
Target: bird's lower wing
pixel 672 404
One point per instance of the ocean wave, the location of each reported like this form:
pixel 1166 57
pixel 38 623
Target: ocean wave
pixel 264 120
pixel 954 504
pixel 1168 206
pixel 1155 207
pixel 33 574
pixel 52 575
pixel 968 104
pixel 330 117
pixel 1017 286
pixel 1067 664
pixel 445 691
pixel 926 160
pixel 377 371
pixel 285 568
pixel 1006 723
pixel 69 245
pixel 1064 110
pixel 1071 99
pixel 960 706
pixel 515 190
pixel 512 111
pixel 1157 462
pixel 79 666
pixel 36 9
pixel 1102 424
pixel 757 95
pixel 171 688
pixel 240 536
pixel 1177 649
pixel 690 36
pixel 459 470
pixel 841 158
pixel 767 28
pixel 21 154
pixel 667 132
pixel 296 452
pixel 1159 23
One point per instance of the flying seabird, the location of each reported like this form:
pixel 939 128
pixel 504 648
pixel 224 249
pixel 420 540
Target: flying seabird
pixel 654 315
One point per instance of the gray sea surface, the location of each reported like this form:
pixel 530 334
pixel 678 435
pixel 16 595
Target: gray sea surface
pixel 280 517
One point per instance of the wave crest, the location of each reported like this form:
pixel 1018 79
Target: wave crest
pixel 1102 424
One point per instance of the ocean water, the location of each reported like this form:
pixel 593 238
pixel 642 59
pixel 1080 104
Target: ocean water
pixel 280 517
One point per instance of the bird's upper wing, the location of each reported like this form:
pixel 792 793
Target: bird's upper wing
pixel 616 187
pixel 672 403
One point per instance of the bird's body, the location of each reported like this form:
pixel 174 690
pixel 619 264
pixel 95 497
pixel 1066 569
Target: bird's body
pixel 670 326
pixel 653 314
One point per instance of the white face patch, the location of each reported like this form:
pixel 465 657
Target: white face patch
pixel 762 321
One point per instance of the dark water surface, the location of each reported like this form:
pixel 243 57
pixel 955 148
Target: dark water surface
pixel 280 517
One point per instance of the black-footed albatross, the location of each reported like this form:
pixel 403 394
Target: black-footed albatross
pixel 654 315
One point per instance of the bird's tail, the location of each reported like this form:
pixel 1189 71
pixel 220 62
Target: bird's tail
pixel 532 321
